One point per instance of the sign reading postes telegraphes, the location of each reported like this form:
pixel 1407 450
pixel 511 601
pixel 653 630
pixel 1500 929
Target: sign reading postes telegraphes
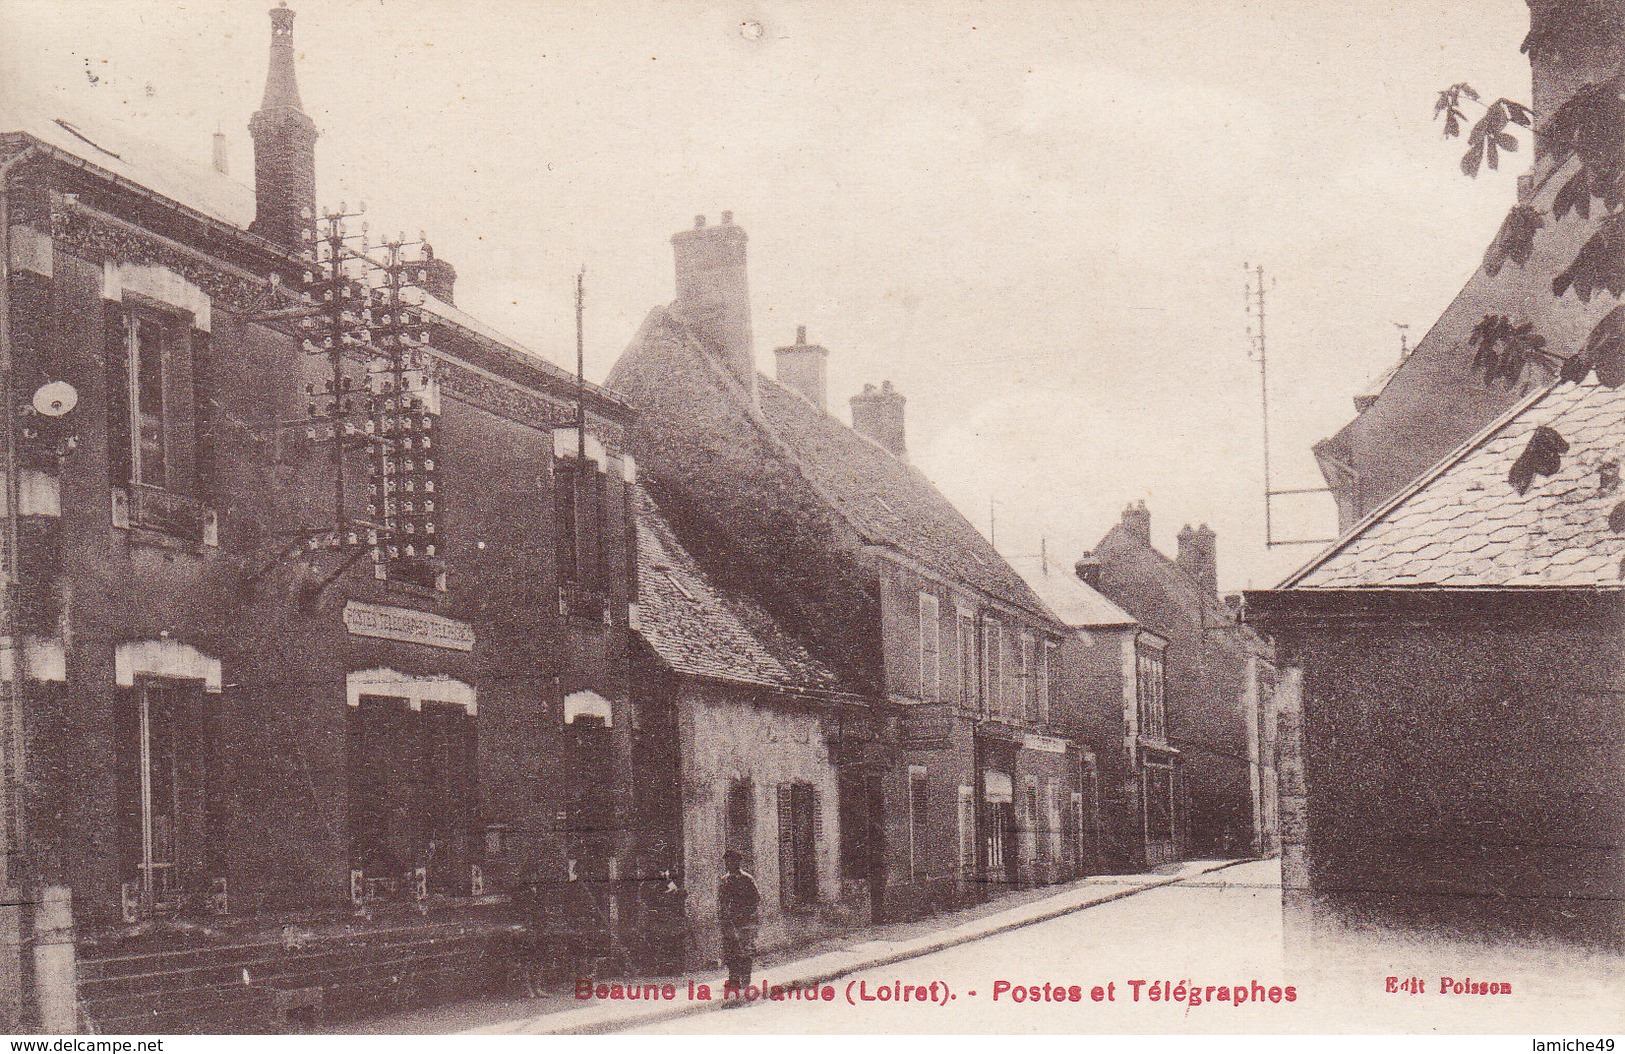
pixel 407 626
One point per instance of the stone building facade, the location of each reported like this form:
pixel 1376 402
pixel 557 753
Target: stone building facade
pixel 958 770
pixel 734 721
pixel 317 747
pixel 1451 734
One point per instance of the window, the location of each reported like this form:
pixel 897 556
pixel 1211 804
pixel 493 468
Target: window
pixel 930 650
pixel 992 666
pixel 411 781
pixel 969 693
pixel 153 417
pixel 1012 675
pixel 740 834
pixel 800 829
pixel 162 790
pixel 579 511
pixel 1029 696
pixel 918 799
pixel 1150 691
pixel 1044 702
pixel 149 336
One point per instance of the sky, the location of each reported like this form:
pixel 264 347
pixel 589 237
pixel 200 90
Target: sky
pixel 1032 217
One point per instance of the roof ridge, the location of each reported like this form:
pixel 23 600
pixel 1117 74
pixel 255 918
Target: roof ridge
pixel 1445 464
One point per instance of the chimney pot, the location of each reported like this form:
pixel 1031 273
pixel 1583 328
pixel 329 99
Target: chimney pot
pixel 699 221
pixel 801 334
pixel 727 218
pixel 1088 569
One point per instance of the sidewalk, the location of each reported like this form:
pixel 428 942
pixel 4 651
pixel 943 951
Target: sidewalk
pixel 561 1013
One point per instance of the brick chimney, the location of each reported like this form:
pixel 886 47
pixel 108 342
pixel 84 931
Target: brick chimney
pixel 1088 569
pixel 439 277
pixel 878 414
pixel 803 368
pixel 284 145
pixel 713 294
pixel 1198 555
pixel 1137 521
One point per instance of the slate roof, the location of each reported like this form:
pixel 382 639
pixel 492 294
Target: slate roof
pixel 888 500
pixel 1068 597
pixel 192 184
pixel 697 630
pixel 1462 526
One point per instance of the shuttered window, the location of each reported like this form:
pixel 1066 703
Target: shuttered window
pixel 930 650
pixel 800 832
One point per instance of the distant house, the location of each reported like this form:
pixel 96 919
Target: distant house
pixel 1453 745
pixel 1110 668
pixel 731 749
pixel 956 772
pixel 1219 677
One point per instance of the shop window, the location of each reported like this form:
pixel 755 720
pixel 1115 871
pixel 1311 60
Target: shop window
pixel 411 781
pixel 800 826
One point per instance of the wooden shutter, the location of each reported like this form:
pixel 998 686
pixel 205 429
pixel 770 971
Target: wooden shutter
pixel 930 650
pixel 818 839
pixel 116 351
pixel 787 846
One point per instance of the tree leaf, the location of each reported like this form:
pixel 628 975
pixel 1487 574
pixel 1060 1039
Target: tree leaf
pixel 1519 113
pixel 1575 196
pixel 1467 90
pixel 1543 456
pixel 1605 348
pixel 1506 142
pixel 1452 126
pixel 1600 263
pixel 1515 240
pixel 1471 160
pixel 1491 154
pixel 1616 518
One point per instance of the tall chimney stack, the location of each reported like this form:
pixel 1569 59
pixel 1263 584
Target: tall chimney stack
pixel 284 145
pixel 803 368
pixel 1137 521
pixel 1198 555
pixel 878 414
pixel 713 294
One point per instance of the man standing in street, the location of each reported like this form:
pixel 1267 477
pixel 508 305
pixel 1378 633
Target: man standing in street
pixel 738 904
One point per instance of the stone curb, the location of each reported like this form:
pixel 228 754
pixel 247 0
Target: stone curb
pixel 909 950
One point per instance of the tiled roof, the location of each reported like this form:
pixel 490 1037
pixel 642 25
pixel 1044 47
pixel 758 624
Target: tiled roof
pixel 697 630
pixel 888 500
pixel 1462 525
pixel 1068 597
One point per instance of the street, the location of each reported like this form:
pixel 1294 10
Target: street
pixel 1220 931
